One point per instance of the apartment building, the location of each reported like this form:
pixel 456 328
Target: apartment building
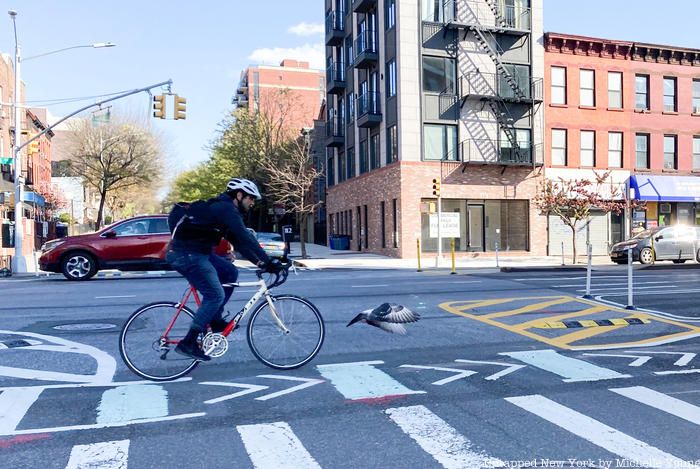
pixel 260 87
pixel 423 90
pixel 632 109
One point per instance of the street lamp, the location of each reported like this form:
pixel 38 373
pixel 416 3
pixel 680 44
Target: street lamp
pixel 18 262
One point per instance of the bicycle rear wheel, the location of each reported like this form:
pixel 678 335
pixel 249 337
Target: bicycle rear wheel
pixel 280 350
pixel 147 346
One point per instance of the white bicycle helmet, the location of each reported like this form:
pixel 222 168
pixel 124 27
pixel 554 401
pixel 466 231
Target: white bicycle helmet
pixel 245 185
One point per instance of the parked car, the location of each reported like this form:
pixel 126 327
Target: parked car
pixel 272 243
pixel 135 244
pixel 665 243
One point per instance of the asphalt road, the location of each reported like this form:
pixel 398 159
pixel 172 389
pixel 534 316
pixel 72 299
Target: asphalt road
pixel 502 370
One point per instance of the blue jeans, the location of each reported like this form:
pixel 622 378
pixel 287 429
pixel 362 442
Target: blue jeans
pixel 205 272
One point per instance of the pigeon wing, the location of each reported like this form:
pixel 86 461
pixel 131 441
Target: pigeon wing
pixel 401 314
pixel 392 328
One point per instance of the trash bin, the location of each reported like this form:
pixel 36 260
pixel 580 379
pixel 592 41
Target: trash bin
pixel 333 242
pixel 344 242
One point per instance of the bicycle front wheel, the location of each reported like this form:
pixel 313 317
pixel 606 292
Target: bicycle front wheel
pixel 148 339
pixel 280 349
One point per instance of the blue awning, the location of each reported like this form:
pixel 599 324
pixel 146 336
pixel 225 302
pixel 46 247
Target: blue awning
pixel 33 197
pixel 666 188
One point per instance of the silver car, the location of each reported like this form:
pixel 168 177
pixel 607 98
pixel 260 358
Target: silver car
pixel 666 243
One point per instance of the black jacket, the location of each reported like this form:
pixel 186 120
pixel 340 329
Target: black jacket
pixel 224 216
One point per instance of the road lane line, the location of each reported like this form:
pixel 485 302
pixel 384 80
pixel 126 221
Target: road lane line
pixel 105 455
pixel 14 404
pixel 625 288
pixel 361 380
pixel 661 401
pixel 598 433
pixel 439 439
pixel 368 286
pixel 134 402
pixel 618 284
pixel 571 369
pixel 114 296
pixel 274 445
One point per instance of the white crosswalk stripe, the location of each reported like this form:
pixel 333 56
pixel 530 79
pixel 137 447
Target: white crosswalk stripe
pixel 106 455
pixel 661 401
pixel 598 433
pixel 275 446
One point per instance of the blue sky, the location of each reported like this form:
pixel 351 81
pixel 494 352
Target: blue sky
pixel 203 46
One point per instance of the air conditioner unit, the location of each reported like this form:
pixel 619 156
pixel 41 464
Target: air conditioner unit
pixel 664 208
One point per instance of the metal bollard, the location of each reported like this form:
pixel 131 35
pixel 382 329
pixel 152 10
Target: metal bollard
pixel 589 249
pixel 497 266
pixel 418 249
pixel 562 253
pixel 630 281
pixel 453 258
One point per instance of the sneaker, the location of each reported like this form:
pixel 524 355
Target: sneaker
pixel 218 325
pixel 191 350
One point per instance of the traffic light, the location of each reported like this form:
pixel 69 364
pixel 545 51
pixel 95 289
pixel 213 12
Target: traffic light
pixel 33 147
pixel 159 106
pixel 436 187
pixel 180 107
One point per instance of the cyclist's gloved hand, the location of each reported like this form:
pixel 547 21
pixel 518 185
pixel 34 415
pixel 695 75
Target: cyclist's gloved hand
pixel 273 266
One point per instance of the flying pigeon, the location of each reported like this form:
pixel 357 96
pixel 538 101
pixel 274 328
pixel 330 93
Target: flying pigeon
pixel 389 317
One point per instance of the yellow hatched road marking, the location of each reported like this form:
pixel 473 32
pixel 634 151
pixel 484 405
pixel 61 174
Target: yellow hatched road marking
pixel 542 322
pixel 530 308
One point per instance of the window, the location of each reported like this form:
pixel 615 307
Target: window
pixel 515 155
pixel 641 92
pixel 391 78
pixel 587 148
pixel 433 10
pixel 587 88
pixel 615 149
pixel 440 142
pixel 558 85
pixel 374 153
pixel 349 57
pixel 670 155
pixel 696 96
pixel 670 94
pixel 559 147
pixel 696 152
pixel 330 167
pixel 394 223
pixel 641 148
pixel 364 157
pixel 382 215
pixel 392 145
pixel 615 90
pixel 390 13
pixel 342 170
pixel 351 162
pixel 351 107
pixel 439 75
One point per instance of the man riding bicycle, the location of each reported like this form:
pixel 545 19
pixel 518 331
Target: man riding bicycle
pixel 190 252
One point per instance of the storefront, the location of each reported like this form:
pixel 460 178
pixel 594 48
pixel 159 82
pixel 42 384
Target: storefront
pixel 669 200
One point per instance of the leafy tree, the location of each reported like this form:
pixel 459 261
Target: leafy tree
pixel 53 198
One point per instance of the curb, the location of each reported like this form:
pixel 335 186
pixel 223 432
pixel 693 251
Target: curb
pixel 563 268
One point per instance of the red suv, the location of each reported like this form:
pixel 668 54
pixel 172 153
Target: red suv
pixel 135 244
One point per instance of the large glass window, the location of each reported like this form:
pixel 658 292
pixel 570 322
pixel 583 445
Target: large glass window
pixel 342 170
pixel 351 162
pixel 364 157
pixel 615 149
pixel 374 152
pixel 696 96
pixel 558 85
pixel 641 147
pixel 559 147
pixel 391 78
pixel 330 167
pixel 587 148
pixel 587 87
pixel 521 154
pixel 641 92
pixel 615 90
pixel 351 107
pixel 670 94
pixel 392 145
pixel 696 154
pixel 670 153
pixel 440 142
pixel 439 75
pixel 433 10
pixel 390 15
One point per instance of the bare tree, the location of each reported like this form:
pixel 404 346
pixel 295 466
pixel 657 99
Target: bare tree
pixel 291 182
pixel 113 157
pixel 573 199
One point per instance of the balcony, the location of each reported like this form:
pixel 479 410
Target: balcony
pixel 363 6
pixel 494 152
pixel 495 16
pixel 478 85
pixel 335 133
pixel 335 27
pixel 368 110
pixel 366 50
pixel 335 78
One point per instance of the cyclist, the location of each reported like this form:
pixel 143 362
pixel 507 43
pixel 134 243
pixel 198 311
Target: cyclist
pixel 191 253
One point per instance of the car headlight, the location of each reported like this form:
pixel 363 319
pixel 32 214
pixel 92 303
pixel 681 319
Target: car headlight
pixel 51 245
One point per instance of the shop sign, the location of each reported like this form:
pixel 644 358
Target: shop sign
pixel 449 226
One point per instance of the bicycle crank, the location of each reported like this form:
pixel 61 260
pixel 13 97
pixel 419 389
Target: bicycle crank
pixel 214 345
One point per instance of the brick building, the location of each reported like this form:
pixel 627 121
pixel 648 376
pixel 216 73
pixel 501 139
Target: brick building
pixel 420 90
pixel 630 108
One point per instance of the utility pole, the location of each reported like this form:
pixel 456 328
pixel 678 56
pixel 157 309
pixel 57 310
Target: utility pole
pixel 18 262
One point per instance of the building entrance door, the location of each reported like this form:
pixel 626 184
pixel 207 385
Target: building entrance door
pixel 475 227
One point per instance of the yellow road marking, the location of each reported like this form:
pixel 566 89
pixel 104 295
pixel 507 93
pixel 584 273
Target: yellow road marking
pixel 540 322
pixel 530 308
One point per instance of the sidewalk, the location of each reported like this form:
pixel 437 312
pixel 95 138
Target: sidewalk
pixel 322 257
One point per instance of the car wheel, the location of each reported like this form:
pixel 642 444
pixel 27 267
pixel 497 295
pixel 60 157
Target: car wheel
pixel 678 261
pixel 78 266
pixel 646 256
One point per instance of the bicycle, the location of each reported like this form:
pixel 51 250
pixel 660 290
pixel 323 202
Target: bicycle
pixel 276 325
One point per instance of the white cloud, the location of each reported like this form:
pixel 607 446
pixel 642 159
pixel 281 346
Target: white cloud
pixel 312 53
pixel 307 29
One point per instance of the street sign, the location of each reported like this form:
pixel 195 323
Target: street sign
pixel 449 226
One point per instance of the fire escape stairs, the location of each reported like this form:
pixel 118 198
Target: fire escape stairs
pixel 493 5
pixel 495 56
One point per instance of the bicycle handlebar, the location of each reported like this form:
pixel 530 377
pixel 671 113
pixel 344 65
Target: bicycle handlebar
pixel 280 277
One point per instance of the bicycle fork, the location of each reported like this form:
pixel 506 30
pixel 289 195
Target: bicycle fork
pixel 275 316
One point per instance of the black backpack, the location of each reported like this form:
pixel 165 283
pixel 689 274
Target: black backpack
pixel 193 221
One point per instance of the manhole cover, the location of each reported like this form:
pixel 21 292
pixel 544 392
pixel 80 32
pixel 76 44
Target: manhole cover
pixel 86 326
